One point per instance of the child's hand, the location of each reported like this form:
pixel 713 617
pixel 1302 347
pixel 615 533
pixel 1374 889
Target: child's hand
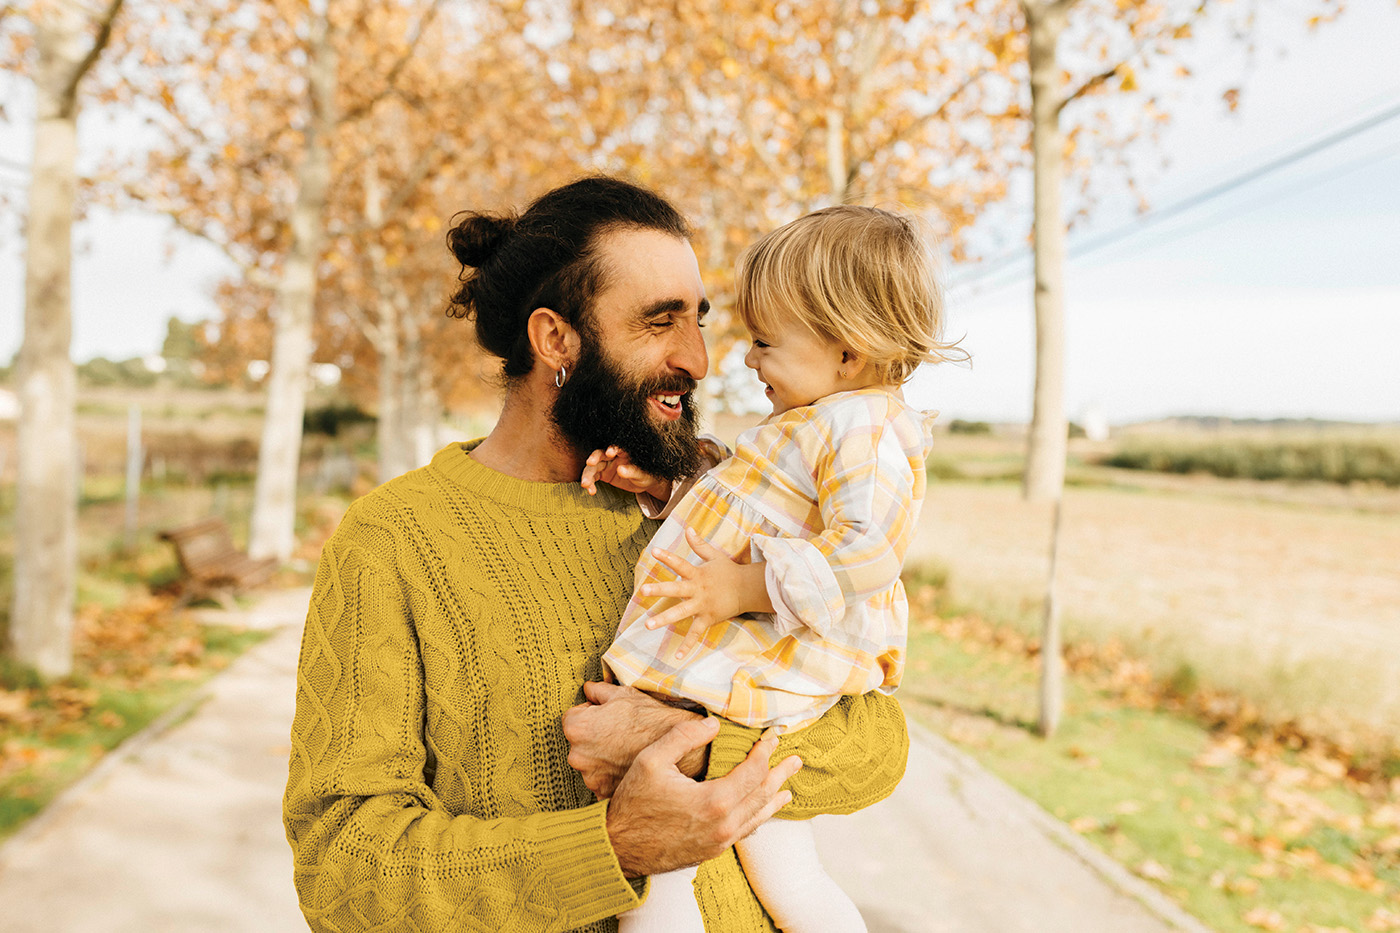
pixel 713 592
pixel 614 467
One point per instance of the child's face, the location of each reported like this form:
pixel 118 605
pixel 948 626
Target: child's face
pixel 797 366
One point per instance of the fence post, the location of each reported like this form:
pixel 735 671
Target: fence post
pixel 134 456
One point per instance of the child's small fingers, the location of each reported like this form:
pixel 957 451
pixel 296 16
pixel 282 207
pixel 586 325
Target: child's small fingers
pixel 691 639
pixel 700 546
pixel 673 589
pixel 682 567
pixel 669 617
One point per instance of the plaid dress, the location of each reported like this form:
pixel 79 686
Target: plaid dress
pixel 828 496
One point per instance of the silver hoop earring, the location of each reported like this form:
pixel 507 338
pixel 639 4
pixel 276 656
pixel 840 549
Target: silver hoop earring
pixel 561 377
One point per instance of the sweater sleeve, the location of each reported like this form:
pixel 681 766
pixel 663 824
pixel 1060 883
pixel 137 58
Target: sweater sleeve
pixel 373 845
pixel 852 757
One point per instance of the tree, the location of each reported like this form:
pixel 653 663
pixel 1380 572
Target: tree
pixel 69 36
pixel 1114 39
pixel 252 97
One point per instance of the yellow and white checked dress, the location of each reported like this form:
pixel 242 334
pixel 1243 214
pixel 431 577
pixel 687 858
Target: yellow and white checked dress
pixel 828 496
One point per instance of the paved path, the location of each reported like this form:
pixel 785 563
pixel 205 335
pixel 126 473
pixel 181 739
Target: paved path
pixel 181 830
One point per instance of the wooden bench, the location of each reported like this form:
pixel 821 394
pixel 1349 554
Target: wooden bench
pixel 212 566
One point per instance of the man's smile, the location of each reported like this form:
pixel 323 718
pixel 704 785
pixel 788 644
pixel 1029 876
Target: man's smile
pixel 669 405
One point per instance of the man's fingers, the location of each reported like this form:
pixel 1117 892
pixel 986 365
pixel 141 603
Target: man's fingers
pixel 679 739
pixel 598 693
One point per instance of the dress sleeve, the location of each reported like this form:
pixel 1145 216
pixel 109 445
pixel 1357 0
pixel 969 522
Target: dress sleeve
pixel 865 487
pixel 712 452
pixel 373 846
pixel 852 757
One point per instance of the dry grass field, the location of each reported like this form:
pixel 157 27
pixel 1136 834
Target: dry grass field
pixel 1286 593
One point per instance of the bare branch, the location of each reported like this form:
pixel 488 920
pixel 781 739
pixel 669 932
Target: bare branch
pixel 434 158
pixel 915 126
pixel 99 42
pixel 391 79
pixel 1097 80
pixel 252 273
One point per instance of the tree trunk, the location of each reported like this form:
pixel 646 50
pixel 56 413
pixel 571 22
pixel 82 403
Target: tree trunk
pixel 46 511
pixel 279 456
pixel 390 434
pixel 1052 667
pixel 420 408
pixel 1045 452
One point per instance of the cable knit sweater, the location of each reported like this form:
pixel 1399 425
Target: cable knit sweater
pixel 455 615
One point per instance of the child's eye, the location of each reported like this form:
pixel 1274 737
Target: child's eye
pixel 760 344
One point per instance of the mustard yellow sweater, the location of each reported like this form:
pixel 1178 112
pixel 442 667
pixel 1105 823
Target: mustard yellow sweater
pixel 456 613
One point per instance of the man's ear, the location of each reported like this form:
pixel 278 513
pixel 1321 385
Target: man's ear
pixel 554 340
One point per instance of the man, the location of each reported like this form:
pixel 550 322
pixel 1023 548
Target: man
pixel 459 609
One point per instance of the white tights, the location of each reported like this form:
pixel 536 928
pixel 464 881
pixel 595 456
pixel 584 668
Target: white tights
pixel 780 860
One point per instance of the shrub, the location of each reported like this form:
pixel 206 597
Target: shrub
pixel 1326 461
pixel 958 426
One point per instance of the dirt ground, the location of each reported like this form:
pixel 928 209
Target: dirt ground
pixel 1291 595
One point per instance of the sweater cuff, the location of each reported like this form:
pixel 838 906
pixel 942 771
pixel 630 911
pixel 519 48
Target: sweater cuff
pixel 577 854
pixel 730 746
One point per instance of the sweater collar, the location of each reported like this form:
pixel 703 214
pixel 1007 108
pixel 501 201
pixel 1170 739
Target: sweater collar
pixel 454 463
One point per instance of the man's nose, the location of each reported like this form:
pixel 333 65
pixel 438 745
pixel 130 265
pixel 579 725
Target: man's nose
pixel 690 356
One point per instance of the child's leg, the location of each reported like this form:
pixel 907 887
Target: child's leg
pixel 669 908
pixel 780 860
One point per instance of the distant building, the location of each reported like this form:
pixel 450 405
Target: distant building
pixel 1095 423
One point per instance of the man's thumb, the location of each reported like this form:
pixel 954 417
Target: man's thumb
pixel 597 692
pixel 683 737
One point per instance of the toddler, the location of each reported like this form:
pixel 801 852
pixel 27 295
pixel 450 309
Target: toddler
pixel 772 589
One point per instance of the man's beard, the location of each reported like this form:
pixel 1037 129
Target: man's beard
pixel 600 405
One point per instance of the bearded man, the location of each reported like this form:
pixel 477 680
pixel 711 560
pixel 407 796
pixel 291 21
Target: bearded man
pixel 451 740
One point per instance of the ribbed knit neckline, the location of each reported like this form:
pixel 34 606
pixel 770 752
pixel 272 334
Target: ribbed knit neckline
pixel 454 462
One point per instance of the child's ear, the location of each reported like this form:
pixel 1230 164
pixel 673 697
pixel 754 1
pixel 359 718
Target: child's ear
pixel 852 363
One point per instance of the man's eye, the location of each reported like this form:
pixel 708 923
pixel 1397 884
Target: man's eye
pixel 664 322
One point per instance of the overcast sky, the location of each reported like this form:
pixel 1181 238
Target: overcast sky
pixel 1279 299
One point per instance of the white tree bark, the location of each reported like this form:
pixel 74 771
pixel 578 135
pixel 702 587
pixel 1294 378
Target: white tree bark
pixel 423 407
pixel 46 513
pixel 1046 447
pixel 274 499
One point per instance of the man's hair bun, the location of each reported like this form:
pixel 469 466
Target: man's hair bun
pixel 477 238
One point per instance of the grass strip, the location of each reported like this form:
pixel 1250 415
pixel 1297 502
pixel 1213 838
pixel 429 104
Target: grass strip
pixel 1246 827
pixel 132 665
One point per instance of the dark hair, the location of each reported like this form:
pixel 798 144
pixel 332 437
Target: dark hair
pixel 545 258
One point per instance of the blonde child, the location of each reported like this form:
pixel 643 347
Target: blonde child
pixel 772 588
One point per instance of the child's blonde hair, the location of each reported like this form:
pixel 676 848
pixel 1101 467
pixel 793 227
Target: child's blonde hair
pixel 861 276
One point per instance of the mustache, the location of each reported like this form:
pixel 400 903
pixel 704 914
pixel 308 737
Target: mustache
pixel 675 384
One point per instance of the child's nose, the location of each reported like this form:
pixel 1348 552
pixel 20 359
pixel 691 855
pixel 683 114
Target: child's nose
pixel 751 358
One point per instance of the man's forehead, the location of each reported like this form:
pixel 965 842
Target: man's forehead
pixel 650 273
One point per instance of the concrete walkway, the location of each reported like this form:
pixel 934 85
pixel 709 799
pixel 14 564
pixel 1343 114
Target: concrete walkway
pixel 180 830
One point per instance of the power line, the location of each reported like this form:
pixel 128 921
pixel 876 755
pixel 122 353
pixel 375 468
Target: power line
pixel 1091 244
pixel 1235 212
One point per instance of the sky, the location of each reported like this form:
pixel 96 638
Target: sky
pixel 1278 299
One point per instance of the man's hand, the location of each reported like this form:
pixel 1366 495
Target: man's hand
pixel 715 591
pixel 606 734
pixel 614 467
pixel 660 820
